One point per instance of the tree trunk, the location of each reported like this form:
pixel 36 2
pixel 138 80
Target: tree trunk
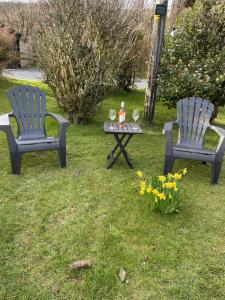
pixel 77 119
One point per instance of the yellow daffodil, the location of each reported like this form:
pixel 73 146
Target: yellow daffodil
pixel 174 185
pixel 139 174
pixel 184 171
pixel 162 178
pixel 143 184
pixel 171 185
pixel 142 192
pixel 163 186
pixel 162 196
pixel 149 189
pixel 155 192
pixel 177 176
pixel 168 185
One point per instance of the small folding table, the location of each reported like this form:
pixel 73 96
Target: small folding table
pixel 122 135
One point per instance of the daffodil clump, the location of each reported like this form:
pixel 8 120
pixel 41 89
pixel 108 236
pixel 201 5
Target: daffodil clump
pixel 164 192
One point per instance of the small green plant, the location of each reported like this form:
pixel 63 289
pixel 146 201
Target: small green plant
pixel 164 192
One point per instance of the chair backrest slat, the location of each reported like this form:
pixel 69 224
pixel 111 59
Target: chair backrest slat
pixel 25 105
pixel 185 119
pixel 32 112
pixel 38 110
pixel 193 119
pixel 195 123
pixel 28 105
pixel 208 114
pixel 202 121
pixel 191 116
pixel 180 113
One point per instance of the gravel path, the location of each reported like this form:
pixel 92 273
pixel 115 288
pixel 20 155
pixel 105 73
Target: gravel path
pixel 36 75
pixel 29 74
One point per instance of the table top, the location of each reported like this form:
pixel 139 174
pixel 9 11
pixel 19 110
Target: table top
pixel 129 128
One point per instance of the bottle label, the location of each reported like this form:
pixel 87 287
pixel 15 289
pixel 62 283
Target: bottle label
pixel 122 117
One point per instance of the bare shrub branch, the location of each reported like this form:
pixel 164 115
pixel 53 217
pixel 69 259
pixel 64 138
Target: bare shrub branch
pixel 82 45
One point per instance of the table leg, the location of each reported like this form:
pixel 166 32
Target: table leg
pixel 122 150
pixel 116 147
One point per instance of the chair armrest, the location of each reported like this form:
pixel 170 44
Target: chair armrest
pixel 220 131
pixel 4 121
pixel 63 124
pixel 58 118
pixel 6 127
pixel 168 126
pixel 167 131
pixel 221 145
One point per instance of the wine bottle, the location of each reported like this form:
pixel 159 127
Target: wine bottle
pixel 122 115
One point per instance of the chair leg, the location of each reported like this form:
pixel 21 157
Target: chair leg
pixel 168 164
pixel 62 156
pixel 216 167
pixel 15 162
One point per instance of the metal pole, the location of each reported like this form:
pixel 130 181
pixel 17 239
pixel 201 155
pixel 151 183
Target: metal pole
pixel 154 60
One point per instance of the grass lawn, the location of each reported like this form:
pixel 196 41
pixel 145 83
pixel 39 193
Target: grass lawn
pixel 50 217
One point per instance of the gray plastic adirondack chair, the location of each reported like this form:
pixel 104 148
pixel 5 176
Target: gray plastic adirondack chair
pixel 194 115
pixel 29 109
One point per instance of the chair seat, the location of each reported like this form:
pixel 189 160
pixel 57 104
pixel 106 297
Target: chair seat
pixel 193 150
pixel 47 140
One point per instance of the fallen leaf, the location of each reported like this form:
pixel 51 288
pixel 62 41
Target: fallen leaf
pixel 80 264
pixel 122 274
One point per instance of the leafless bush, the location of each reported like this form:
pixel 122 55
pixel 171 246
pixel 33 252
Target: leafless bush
pixel 81 45
pixel 20 16
pixel 135 66
pixel 6 44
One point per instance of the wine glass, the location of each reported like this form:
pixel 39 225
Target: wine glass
pixel 135 116
pixel 112 116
